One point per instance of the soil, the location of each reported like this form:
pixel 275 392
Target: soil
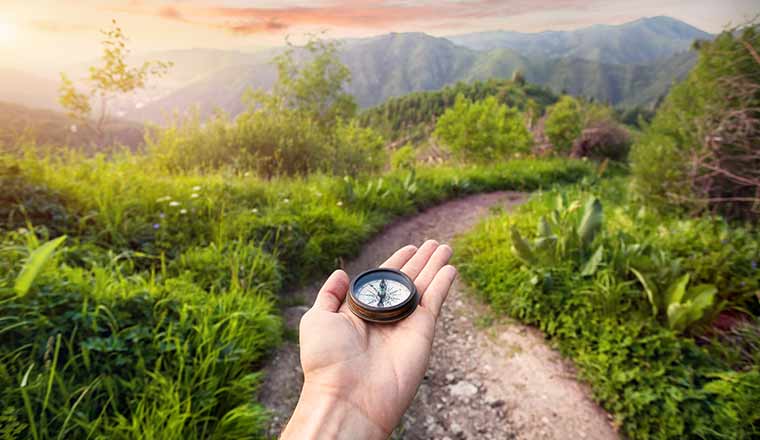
pixel 489 378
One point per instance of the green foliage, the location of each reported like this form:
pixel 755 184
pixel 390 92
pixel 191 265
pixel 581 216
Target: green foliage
pixel 412 117
pixel 646 370
pixel 483 130
pixel 699 153
pixel 37 260
pixel 404 158
pixel 564 123
pixel 357 150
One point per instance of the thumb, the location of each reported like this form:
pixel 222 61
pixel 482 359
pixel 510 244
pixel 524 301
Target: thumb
pixel 333 292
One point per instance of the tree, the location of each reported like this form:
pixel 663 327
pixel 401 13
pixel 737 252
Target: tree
pixel 315 88
pixel 564 123
pixel 701 150
pixel 107 81
pixel 483 130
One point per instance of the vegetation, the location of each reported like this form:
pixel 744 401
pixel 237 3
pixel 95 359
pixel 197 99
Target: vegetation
pixel 624 291
pixel 483 130
pixel 564 123
pixel 412 117
pixel 150 318
pixel 700 152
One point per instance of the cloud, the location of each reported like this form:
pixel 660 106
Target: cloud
pixel 359 14
pixel 60 27
pixel 170 13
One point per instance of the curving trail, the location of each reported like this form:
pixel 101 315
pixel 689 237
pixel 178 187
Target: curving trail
pixel 495 381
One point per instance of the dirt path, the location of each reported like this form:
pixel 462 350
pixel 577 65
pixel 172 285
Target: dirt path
pixel 498 380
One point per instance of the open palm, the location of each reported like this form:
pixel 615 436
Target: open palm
pixel 375 368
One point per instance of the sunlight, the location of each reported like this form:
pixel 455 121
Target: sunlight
pixel 7 33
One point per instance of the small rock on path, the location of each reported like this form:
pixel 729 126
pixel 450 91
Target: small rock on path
pixel 500 381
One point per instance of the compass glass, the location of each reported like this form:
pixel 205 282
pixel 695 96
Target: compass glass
pixel 383 293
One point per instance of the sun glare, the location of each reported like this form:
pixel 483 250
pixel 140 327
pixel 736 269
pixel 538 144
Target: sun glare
pixel 7 33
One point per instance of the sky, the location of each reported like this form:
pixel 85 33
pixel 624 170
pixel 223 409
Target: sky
pixel 36 35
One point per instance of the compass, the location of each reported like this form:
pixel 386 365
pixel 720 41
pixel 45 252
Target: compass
pixel 382 295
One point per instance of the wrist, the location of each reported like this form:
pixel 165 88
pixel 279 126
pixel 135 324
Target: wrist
pixel 321 413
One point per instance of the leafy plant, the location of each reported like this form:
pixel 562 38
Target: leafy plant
pixel 682 306
pixel 35 263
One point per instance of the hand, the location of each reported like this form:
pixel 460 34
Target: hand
pixel 360 377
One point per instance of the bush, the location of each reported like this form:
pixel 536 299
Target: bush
pixel 404 158
pixel 564 123
pixel 700 152
pixel 357 150
pixel 483 130
pixel 655 379
pixel 605 139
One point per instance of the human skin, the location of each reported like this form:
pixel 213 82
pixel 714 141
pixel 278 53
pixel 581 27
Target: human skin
pixel 360 377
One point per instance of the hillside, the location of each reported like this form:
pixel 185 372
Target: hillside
pixel 400 63
pixel 638 42
pixel 46 127
pixel 410 117
pixel 28 89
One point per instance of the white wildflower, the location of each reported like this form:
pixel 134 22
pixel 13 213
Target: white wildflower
pixel 183 211
pixel 255 210
pixel 286 200
pixel 340 203
pixel 196 188
pixel 174 203
pixel 194 196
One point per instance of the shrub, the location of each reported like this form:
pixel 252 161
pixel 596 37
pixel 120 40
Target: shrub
pixel 357 150
pixel 655 379
pixel 483 130
pixel 700 152
pixel 603 140
pixel 404 158
pixel 564 123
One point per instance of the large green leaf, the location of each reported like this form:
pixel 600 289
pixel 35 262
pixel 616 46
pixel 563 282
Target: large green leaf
pixel 650 289
pixel 591 221
pixel 34 264
pixel 677 291
pixel 521 248
pixel 544 229
pixel 593 263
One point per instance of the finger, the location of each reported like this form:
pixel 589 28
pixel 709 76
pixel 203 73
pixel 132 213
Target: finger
pixel 414 266
pixel 439 289
pixel 400 257
pixel 439 259
pixel 333 292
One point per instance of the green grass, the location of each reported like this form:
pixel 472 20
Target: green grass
pixel 658 383
pixel 152 319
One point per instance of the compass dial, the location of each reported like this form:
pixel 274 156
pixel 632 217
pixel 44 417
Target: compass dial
pixel 383 293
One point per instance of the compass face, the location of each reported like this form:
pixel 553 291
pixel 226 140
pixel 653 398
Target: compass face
pixel 382 293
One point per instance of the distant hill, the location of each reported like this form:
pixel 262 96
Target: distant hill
pixel 400 63
pixel 638 42
pixel 28 89
pixel 46 127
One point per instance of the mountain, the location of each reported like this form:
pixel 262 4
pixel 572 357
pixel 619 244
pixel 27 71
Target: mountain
pixel 399 63
pixel 19 123
pixel 638 42
pixel 28 89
